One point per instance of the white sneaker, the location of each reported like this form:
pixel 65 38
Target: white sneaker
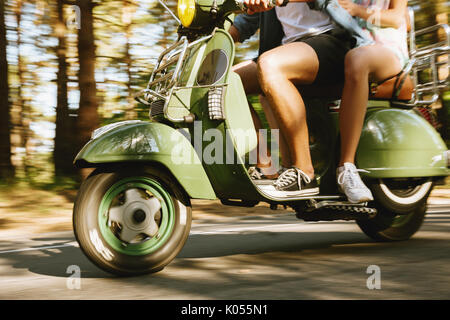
pixel 351 185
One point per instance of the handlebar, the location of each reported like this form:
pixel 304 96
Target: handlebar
pixel 241 4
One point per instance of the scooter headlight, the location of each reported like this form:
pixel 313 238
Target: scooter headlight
pixel 186 12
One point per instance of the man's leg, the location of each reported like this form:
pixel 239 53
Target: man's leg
pixel 278 72
pixel 271 119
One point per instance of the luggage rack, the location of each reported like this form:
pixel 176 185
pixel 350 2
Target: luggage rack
pixel 165 78
pixel 427 64
pixel 166 74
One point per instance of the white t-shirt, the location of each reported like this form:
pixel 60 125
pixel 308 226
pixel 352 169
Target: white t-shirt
pixel 299 21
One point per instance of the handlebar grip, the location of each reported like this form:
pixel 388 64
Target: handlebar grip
pixel 241 4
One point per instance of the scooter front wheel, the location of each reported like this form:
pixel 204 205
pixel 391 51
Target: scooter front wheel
pixel 131 222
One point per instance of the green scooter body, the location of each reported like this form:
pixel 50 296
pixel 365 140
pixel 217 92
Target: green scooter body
pixel 398 143
pixel 141 142
pixel 394 143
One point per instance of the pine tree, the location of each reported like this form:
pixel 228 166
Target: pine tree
pixel 6 167
pixel 88 118
pixel 64 149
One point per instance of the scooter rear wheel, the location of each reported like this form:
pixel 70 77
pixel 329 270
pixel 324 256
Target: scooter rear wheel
pixel 130 222
pixel 400 212
pixel 402 195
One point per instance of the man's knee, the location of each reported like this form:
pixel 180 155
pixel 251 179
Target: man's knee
pixel 269 71
pixel 297 63
pixel 268 64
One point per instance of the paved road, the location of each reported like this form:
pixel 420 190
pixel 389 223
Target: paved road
pixel 263 257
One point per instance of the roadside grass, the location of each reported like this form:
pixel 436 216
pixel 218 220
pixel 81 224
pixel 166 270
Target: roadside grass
pixel 34 210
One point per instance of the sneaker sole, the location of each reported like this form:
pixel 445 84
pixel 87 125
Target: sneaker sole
pixel 263 182
pixel 288 194
pixel 362 200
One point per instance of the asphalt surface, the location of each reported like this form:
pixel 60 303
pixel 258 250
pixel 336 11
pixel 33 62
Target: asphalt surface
pixel 254 257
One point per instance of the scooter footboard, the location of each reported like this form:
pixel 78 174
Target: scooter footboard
pixel 398 143
pixel 144 143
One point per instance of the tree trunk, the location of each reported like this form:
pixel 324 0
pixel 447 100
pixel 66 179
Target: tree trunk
pixel 88 118
pixel 6 167
pixel 127 18
pixel 20 112
pixel 63 152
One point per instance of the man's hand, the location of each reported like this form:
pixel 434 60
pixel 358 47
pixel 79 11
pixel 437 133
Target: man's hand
pixel 254 6
pixel 351 7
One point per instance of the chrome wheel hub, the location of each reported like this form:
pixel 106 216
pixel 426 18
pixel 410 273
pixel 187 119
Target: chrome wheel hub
pixel 138 214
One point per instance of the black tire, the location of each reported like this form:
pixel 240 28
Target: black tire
pixel 397 220
pixel 401 195
pixel 99 251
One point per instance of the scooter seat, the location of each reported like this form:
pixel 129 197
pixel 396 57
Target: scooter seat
pixel 332 91
pixel 384 91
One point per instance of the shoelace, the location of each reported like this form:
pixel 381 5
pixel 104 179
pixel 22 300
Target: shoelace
pixel 350 175
pixel 289 176
pixel 254 173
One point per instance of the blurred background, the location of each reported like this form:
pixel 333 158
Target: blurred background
pixel 61 78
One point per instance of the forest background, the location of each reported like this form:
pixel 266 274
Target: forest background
pixel 61 79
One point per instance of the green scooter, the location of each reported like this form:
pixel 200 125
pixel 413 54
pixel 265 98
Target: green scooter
pixel 132 215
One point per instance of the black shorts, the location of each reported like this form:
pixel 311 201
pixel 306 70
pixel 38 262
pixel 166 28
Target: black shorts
pixel 331 48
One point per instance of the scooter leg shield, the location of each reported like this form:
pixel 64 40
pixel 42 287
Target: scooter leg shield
pixel 146 143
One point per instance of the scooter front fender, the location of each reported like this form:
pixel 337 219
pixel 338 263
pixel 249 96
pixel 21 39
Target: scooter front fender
pixel 399 143
pixel 148 142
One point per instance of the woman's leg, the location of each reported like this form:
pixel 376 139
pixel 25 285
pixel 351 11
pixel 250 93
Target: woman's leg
pixel 248 70
pixel 376 62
